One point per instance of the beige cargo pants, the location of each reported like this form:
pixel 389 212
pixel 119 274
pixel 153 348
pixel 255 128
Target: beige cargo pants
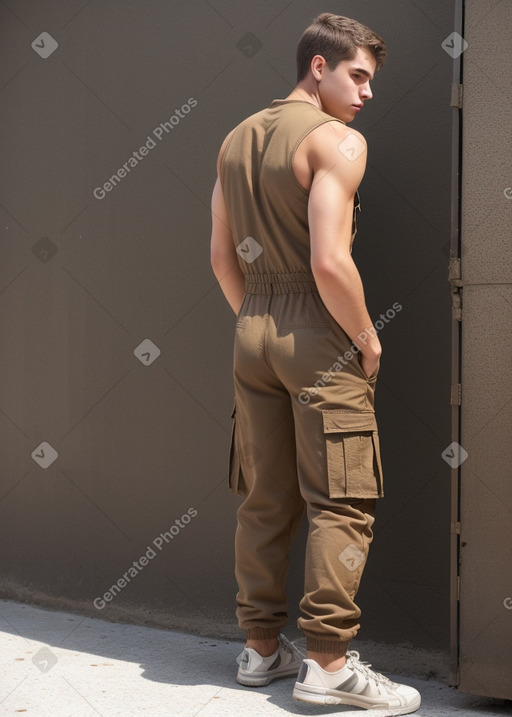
pixel 304 436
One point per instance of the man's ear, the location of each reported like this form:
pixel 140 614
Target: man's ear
pixel 317 66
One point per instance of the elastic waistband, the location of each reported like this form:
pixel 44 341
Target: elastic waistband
pixel 298 282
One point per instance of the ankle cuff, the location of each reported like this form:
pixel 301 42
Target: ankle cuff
pixel 262 633
pixel 322 644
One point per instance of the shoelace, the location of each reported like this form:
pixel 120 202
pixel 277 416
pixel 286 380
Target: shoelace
pixel 364 668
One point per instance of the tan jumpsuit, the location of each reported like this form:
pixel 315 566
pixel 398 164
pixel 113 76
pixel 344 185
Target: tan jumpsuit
pixel 304 430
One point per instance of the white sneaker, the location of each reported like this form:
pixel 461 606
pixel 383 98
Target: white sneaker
pixel 355 684
pixel 257 671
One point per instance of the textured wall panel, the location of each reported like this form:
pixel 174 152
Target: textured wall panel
pixel 486 419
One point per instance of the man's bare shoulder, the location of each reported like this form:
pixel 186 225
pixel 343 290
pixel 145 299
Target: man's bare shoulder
pixel 335 135
pixel 332 148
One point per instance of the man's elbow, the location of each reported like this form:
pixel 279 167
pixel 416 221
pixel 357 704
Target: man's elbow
pixel 221 262
pixel 328 267
pixel 216 261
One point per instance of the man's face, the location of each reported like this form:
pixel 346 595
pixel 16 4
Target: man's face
pixel 347 87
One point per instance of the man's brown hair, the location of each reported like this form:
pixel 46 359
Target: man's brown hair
pixel 336 38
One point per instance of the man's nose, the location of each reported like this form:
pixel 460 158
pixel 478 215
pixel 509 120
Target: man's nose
pixel 366 92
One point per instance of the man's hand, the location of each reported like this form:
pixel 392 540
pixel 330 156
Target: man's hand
pixel 369 364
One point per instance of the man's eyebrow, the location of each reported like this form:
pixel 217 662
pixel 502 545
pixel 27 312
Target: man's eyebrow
pixel 363 72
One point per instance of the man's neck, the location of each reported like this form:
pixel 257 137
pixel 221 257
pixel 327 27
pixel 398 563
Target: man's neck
pixel 305 93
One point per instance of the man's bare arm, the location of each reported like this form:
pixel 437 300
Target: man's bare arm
pixel 331 207
pixel 223 255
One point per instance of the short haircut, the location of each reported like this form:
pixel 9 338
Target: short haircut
pixel 336 38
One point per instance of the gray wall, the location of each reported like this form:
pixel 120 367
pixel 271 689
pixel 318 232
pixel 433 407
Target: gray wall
pixel 140 442
pixel 486 411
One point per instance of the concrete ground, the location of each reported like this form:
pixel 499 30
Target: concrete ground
pixel 60 664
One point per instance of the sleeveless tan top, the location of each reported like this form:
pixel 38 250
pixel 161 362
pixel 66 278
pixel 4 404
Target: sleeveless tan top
pixel 263 197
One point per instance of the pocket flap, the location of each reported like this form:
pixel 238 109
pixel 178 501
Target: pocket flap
pixel 341 420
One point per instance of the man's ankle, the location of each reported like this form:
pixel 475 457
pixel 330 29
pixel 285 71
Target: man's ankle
pixel 330 662
pixel 265 648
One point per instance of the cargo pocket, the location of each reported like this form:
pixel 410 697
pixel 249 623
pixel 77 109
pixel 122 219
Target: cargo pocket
pixel 236 481
pixel 353 455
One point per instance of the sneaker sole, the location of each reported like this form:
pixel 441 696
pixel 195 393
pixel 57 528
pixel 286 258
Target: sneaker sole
pixel 324 696
pixel 251 680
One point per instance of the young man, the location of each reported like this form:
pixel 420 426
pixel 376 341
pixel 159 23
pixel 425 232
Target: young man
pixel 306 359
